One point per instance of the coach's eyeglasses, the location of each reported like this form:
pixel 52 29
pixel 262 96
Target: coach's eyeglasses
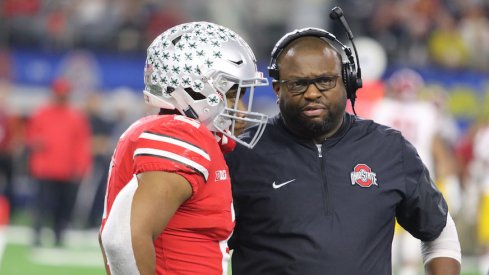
pixel 299 86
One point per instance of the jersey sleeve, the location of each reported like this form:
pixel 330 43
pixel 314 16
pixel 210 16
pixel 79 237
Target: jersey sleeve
pixel 175 147
pixel 423 211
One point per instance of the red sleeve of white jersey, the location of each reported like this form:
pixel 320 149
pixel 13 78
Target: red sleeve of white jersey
pixel 176 146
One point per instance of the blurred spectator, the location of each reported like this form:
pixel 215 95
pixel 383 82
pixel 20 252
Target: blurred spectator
pixel 129 36
pixel 467 222
pixel 479 197
pixel 163 16
pixel 446 44
pixel 473 154
pixel 58 34
pixel 439 96
pixel 59 143
pixel 14 8
pixel 20 20
pixel 474 27
pixel 262 26
pixel 403 27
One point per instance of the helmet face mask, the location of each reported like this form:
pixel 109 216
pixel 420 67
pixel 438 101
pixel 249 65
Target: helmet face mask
pixel 192 66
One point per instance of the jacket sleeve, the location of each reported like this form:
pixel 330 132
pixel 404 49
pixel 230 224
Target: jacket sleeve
pixel 423 210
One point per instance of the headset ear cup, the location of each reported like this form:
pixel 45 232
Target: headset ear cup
pixel 350 79
pixel 273 71
pixel 353 80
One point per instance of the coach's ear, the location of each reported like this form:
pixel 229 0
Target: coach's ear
pixel 276 88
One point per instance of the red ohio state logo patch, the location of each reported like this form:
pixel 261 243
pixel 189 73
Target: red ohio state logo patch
pixel 363 176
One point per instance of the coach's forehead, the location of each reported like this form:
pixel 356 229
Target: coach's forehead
pixel 308 44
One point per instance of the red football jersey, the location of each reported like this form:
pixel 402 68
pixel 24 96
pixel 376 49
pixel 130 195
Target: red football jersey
pixel 195 239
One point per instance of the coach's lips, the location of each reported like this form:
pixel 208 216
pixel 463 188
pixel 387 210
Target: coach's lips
pixel 313 110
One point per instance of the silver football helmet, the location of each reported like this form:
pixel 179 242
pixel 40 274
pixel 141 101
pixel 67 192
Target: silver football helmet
pixel 192 66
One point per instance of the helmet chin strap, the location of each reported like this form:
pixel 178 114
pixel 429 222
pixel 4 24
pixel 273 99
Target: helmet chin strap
pixel 187 111
pixel 214 125
pixel 221 124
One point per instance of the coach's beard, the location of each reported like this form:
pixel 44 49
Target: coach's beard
pixel 306 127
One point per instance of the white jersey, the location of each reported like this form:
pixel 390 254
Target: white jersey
pixel 480 163
pixel 481 145
pixel 417 121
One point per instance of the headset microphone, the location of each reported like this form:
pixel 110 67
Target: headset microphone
pixel 337 14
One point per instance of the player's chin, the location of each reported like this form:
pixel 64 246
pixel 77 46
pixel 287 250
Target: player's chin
pixel 239 128
pixel 238 131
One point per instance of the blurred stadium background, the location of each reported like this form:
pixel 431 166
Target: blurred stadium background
pixel 99 46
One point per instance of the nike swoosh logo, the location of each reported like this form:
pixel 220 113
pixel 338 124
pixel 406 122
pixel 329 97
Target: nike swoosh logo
pixel 276 186
pixel 236 62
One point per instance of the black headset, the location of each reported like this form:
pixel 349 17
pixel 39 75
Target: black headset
pixel 350 74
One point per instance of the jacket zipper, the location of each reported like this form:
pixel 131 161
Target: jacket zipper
pixel 324 183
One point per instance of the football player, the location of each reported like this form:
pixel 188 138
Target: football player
pixel 168 206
